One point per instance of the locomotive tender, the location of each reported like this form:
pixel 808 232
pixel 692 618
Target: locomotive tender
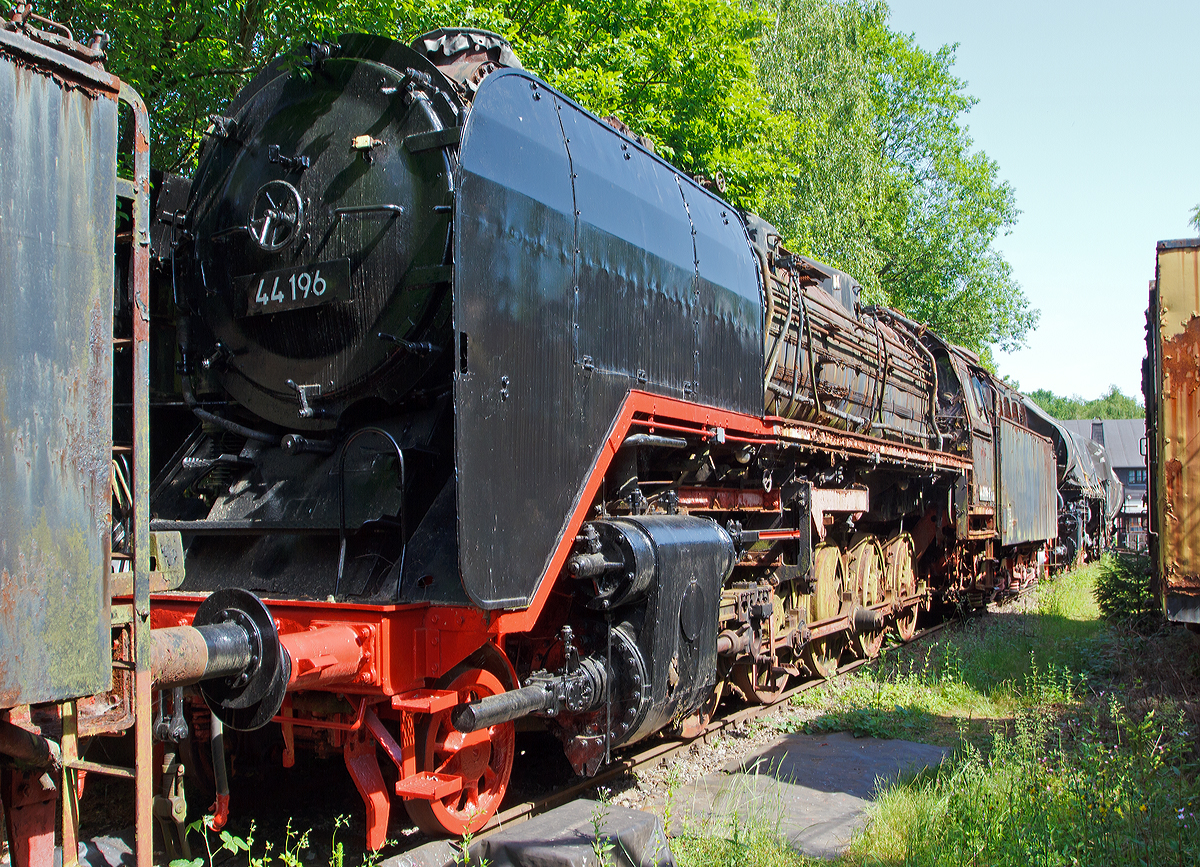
pixel 469 410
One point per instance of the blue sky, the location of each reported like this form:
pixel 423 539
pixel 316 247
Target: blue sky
pixel 1092 111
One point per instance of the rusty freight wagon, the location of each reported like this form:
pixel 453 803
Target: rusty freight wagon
pixel 1171 374
pixel 77 560
pixel 72 664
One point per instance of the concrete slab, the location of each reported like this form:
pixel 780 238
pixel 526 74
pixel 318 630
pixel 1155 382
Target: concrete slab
pixel 812 790
pixel 438 853
pixel 562 837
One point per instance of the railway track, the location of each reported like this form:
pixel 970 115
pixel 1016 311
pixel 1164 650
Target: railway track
pixel 667 748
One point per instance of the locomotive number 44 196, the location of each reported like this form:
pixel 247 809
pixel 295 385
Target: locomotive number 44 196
pixel 294 288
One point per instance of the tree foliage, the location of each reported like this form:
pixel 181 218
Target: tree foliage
pixel 843 132
pixel 1113 404
pixel 889 188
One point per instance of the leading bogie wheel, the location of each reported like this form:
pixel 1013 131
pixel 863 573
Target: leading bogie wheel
pixel 483 759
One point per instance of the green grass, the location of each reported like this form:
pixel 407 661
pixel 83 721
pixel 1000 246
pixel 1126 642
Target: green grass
pixel 989 669
pixel 1121 792
pixel 737 844
pixel 1067 746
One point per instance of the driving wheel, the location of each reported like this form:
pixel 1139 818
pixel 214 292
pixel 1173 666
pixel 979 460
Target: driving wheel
pixel 821 655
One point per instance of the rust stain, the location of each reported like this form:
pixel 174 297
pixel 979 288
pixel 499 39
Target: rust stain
pixel 1181 458
pixel 1189 581
pixel 1181 354
pixel 1172 473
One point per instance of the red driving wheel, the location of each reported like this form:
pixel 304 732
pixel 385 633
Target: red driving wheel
pixel 483 759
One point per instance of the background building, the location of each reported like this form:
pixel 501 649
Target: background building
pixel 1122 438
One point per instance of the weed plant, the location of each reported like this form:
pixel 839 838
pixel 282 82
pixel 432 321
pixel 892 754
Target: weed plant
pixel 739 843
pixel 1120 791
pixel 1124 593
pixel 292 852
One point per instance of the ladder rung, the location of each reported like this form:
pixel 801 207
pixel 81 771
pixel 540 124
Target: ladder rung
pixel 98 768
pixel 123 449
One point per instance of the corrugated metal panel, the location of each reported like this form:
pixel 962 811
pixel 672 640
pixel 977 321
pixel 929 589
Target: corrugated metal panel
pixel 984 476
pixel 57 219
pixel 1176 476
pixel 1026 499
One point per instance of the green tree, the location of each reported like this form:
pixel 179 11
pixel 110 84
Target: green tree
pixel 681 72
pixel 187 58
pixel 1194 222
pixel 945 204
pixel 814 65
pixel 889 187
pixel 845 134
pixel 1112 404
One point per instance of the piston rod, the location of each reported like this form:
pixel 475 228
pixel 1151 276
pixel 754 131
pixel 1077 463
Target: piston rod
pixel 505 707
pixel 580 688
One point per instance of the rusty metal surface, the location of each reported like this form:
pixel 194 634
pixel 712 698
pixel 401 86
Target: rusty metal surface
pixel 1026 499
pixel 1175 475
pixel 140 525
pixel 861 370
pixel 57 219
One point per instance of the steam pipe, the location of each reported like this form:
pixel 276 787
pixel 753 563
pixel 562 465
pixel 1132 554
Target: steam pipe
pixel 183 336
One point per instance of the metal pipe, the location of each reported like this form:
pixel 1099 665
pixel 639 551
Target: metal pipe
pixel 655 440
pixel 27 747
pixel 504 707
pixel 217 741
pixel 183 655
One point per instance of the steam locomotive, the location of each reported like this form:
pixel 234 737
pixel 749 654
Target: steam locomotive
pixel 469 410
